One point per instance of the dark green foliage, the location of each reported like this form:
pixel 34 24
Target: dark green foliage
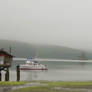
pixel 21 49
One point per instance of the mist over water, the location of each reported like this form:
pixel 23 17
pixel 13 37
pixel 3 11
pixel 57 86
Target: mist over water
pixel 57 71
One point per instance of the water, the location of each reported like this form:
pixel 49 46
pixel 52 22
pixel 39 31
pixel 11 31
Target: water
pixel 57 71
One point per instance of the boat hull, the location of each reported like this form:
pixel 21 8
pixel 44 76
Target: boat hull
pixel 33 69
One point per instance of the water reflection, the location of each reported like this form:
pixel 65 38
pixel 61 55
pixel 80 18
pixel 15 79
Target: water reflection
pixel 63 71
pixel 5 89
pixel 33 74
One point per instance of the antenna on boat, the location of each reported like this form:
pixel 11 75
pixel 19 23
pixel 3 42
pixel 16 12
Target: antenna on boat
pixel 10 49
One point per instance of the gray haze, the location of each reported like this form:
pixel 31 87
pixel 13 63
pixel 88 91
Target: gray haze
pixel 60 22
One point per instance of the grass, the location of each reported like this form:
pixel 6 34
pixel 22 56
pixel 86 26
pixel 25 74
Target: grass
pixel 11 83
pixel 42 89
pixel 68 84
pixel 50 87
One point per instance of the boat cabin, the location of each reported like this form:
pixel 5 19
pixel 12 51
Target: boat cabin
pixel 5 58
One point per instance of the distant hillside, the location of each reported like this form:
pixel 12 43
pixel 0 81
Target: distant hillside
pixel 21 49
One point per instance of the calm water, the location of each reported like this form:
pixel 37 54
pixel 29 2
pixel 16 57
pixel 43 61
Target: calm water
pixel 57 71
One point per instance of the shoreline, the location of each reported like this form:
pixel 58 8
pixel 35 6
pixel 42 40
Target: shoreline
pixel 46 86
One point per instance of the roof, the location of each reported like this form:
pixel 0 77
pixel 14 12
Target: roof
pixel 2 52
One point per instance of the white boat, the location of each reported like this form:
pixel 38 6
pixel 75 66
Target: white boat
pixel 31 64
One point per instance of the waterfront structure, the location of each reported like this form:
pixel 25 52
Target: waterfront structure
pixel 5 62
pixel 5 58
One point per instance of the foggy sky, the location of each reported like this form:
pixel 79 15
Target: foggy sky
pixel 60 22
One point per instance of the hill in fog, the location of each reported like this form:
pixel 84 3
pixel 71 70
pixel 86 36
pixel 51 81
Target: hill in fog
pixel 21 49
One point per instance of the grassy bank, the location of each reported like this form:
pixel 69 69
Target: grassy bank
pixel 12 83
pixel 58 87
pixel 70 84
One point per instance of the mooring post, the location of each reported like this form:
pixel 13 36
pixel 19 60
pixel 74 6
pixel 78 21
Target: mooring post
pixel 18 73
pixel 0 76
pixel 7 74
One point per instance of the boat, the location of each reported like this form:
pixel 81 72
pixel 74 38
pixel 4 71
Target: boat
pixel 32 64
pixel 83 56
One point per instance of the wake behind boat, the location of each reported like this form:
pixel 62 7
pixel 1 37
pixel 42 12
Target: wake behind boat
pixel 32 64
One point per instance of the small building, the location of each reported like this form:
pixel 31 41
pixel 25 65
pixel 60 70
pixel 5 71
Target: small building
pixel 5 58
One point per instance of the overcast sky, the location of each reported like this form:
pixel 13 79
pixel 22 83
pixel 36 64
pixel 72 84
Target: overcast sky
pixel 60 22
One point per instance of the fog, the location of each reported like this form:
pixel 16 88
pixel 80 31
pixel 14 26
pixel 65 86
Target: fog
pixel 59 22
